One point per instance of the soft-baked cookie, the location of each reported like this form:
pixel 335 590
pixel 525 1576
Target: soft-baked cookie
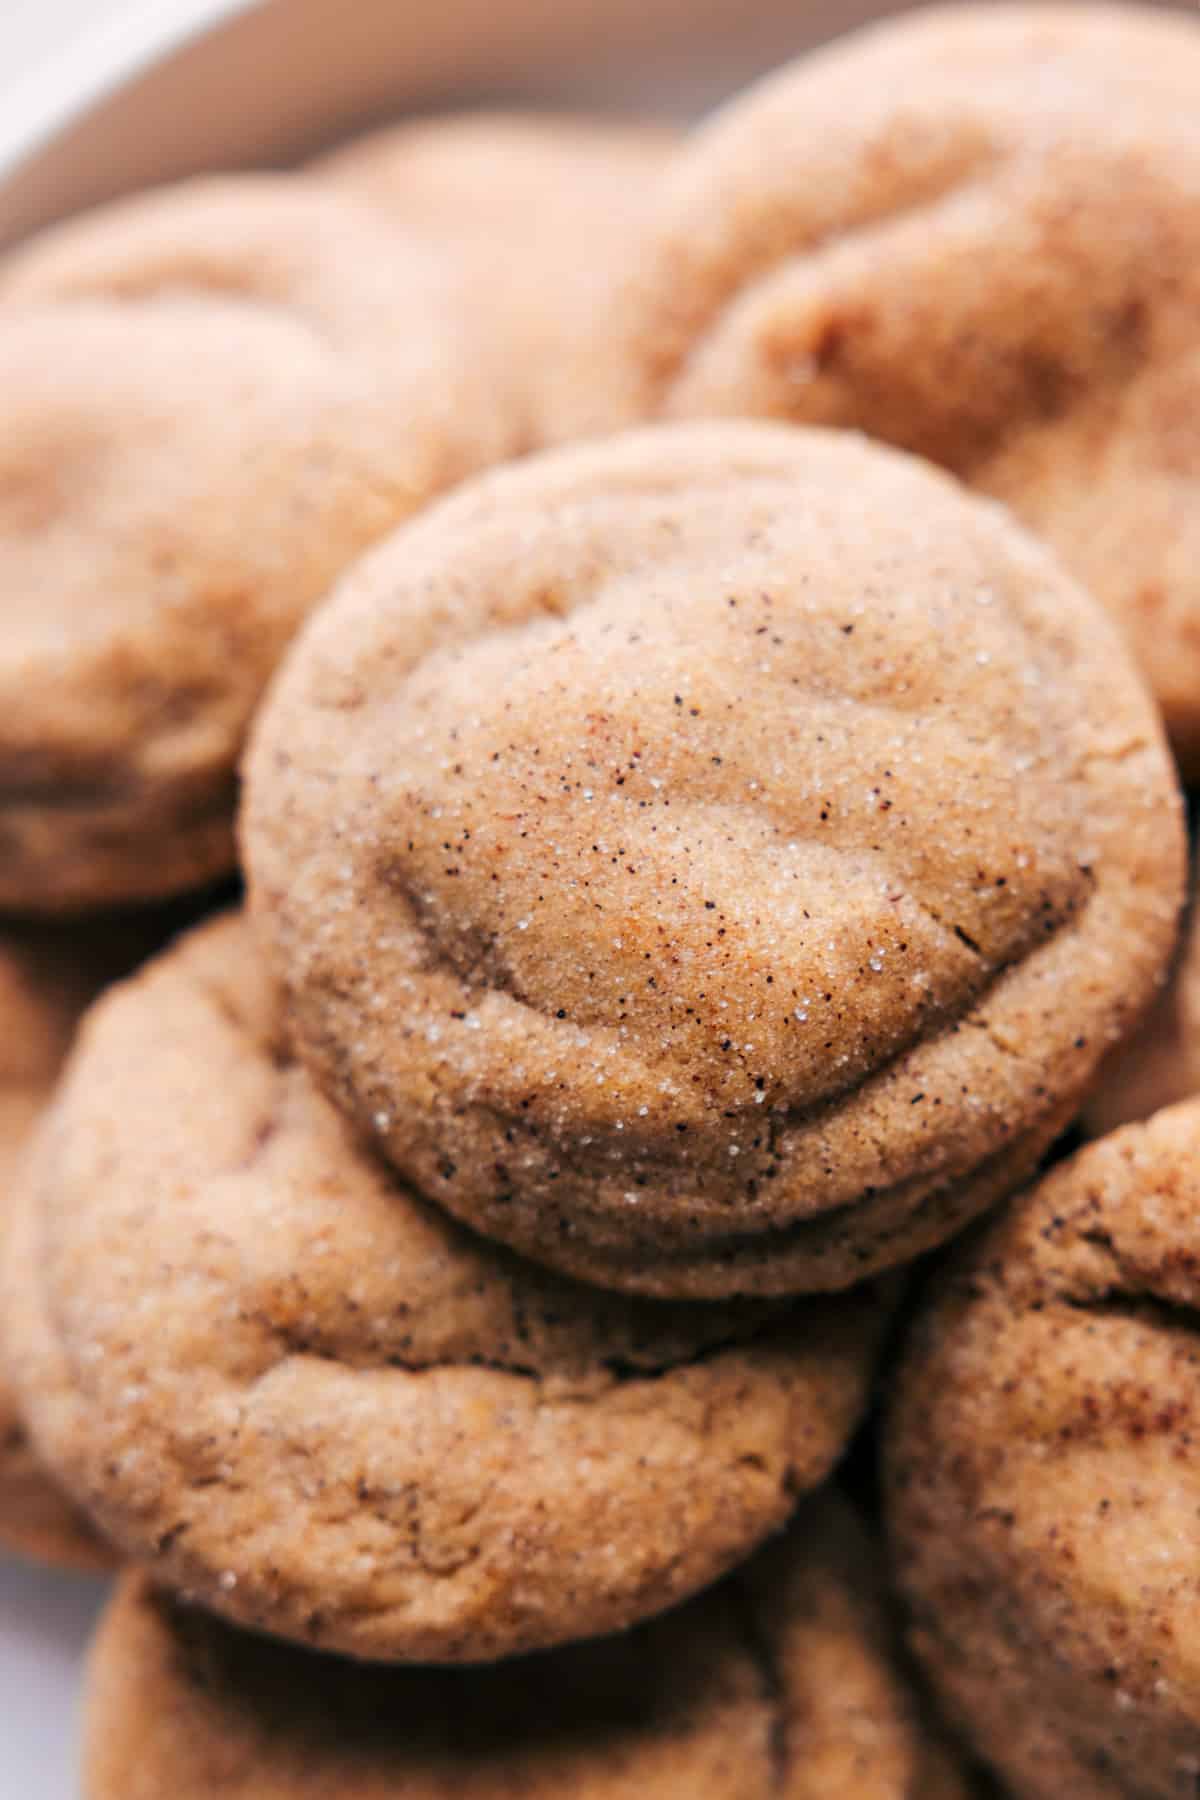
pixel 973 233
pixel 782 1682
pixel 47 978
pixel 541 212
pixel 712 860
pixel 1160 1064
pixel 327 1410
pixel 215 397
pixel 1044 1476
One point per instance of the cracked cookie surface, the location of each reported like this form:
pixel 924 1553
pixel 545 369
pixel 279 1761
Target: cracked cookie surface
pixel 782 1682
pixel 971 233
pixel 713 860
pixel 215 398
pixel 1043 1473
pixel 330 1412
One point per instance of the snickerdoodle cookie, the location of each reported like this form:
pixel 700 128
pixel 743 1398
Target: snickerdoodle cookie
pixel 1044 1471
pixel 326 1409
pixel 712 860
pixel 782 1682
pixel 973 233
pixel 47 978
pixel 215 397
pixel 541 212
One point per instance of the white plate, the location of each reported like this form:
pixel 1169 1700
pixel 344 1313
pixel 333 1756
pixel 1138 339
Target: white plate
pixel 45 1621
pixel 151 91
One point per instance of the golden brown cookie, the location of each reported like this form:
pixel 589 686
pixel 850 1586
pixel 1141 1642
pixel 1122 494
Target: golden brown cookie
pixel 1044 1474
pixel 781 1682
pixel 328 1411
pixel 46 980
pixel 540 212
pixel 215 397
pixel 1160 1064
pixel 712 860
pixel 973 233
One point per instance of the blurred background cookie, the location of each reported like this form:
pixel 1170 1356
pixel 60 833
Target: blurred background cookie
pixel 1044 1475
pixel 1160 1063
pixel 712 860
pixel 216 397
pixel 784 1682
pixel 973 233
pixel 327 1410
pixel 541 212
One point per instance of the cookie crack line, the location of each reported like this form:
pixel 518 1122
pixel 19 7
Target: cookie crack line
pixel 501 980
pixel 1137 1307
pixel 621 1369
pixel 772 1241
pixel 1125 1291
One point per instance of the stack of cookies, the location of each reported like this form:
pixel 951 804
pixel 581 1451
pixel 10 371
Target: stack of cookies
pixel 688 646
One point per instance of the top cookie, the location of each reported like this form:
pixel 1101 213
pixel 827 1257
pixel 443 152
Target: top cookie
pixel 712 860
pixel 539 212
pixel 973 233
pixel 215 397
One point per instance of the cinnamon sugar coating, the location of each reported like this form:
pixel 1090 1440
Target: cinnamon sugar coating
pixel 782 1683
pixel 971 232
pixel 216 396
pixel 713 860
pixel 1044 1476
pixel 323 1408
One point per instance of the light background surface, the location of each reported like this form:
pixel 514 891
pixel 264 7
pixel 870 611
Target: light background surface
pixel 45 1621
pixel 28 33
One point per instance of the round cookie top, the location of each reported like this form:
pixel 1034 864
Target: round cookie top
pixel 971 233
pixel 216 397
pixel 330 1412
pixel 783 1681
pixel 1044 1476
pixel 712 860
pixel 541 212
